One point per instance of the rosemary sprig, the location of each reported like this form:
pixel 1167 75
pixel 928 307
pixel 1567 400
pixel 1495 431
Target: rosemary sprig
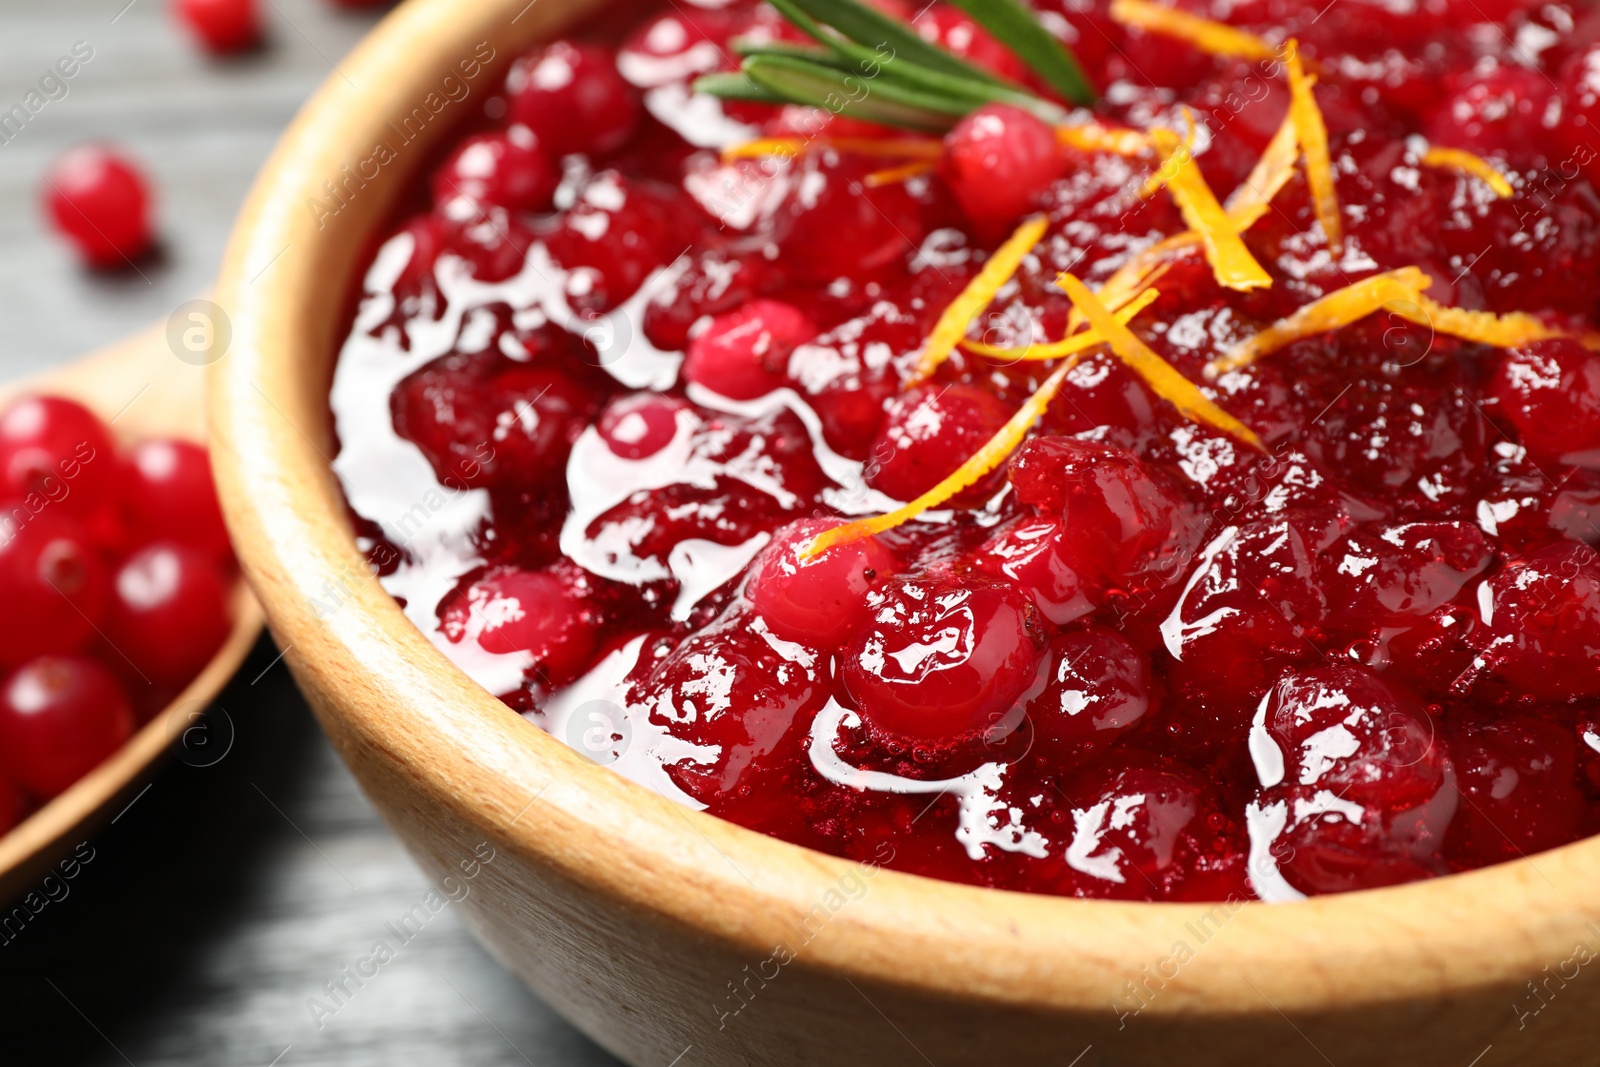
pixel 872 67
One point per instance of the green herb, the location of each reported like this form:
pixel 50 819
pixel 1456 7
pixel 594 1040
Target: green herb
pixel 872 67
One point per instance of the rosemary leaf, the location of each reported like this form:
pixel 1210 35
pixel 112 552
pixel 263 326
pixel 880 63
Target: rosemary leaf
pixel 847 93
pixel 1016 27
pixel 887 37
pixel 736 86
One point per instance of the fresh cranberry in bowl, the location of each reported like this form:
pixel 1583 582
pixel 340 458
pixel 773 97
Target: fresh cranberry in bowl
pixel 170 613
pixel 170 497
pixel 60 717
pixel 53 583
pixel 55 449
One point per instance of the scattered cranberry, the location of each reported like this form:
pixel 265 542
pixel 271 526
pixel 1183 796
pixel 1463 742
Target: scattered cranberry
pixel 98 199
pixel 938 660
pixel 221 26
pixel 817 602
pixel 508 169
pixel 573 99
pixel 170 496
pixel 60 716
pixel 741 355
pixel 998 160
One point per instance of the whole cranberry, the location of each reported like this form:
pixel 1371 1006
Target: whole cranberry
pixel 1541 624
pixel 170 614
pixel 60 716
pixel 508 169
pixel 610 240
pixel 955 31
pixel 53 586
pixel 816 602
pixel 941 658
pixel 221 26
pixel 1580 122
pixel 639 425
pixel 171 496
pixel 1550 391
pixel 510 610
pixel 929 433
pixel 1394 575
pixel 98 199
pixel 1099 688
pixel 573 99
pixel 1031 554
pixel 741 355
pixel 998 161
pixel 1136 825
pixel 835 226
pixel 54 449
pixel 1518 776
pixel 1500 110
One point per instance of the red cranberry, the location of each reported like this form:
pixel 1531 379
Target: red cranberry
pixel 613 237
pixel 98 199
pixel 1498 111
pixel 1099 688
pixel 11 806
pixel 60 716
pixel 834 226
pixel 712 282
pixel 1031 554
pixel 57 450
pixel 998 161
pixel 510 610
pixel 1135 828
pixel 954 31
pixel 171 612
pixel 930 432
pixel 1395 575
pixel 941 658
pixel 1550 391
pixel 171 497
pixel 1541 620
pixel 52 584
pixel 571 96
pixel 1580 126
pixel 741 355
pixel 221 26
pixel 1369 790
pixel 639 425
pixel 727 688
pixel 816 602
pixel 1518 777
pixel 507 169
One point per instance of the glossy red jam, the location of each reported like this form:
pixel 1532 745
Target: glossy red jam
pixel 606 386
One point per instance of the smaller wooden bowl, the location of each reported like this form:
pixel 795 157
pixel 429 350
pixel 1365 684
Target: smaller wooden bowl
pixel 674 938
pixel 150 393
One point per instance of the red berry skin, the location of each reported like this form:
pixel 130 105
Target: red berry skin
pixel 60 716
pixel 930 432
pixel 171 496
pixel 221 26
pixel 572 98
pixel 98 199
pixel 54 589
pixel 170 614
pixel 507 169
pixel 741 355
pixel 1519 778
pixel 1542 625
pixel 56 453
pixel 1099 688
pixel 998 161
pixel 10 805
pixel 816 602
pixel 510 610
pixel 1550 391
pixel 941 658
pixel 638 426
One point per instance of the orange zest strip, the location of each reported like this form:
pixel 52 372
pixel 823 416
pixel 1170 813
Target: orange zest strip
pixel 1071 346
pixel 1333 312
pixel 1483 327
pixel 789 147
pixel 1208 36
pixel 1231 262
pixel 1312 133
pixel 952 325
pixel 1160 375
pixel 1093 137
pixel 986 459
pixel 903 173
pixel 1462 160
pixel 1132 278
pixel 1271 173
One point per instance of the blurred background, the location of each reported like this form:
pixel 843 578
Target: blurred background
pixel 226 904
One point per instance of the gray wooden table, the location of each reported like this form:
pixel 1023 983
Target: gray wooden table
pixel 224 898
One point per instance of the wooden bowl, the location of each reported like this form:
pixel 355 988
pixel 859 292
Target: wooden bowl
pixel 672 937
pixel 149 392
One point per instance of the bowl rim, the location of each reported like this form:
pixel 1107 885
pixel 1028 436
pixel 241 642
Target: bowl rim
pixel 386 694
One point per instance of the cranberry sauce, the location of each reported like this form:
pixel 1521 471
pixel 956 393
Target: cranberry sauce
pixel 607 386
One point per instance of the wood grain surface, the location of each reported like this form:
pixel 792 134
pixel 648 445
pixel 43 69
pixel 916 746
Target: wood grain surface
pixel 221 901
